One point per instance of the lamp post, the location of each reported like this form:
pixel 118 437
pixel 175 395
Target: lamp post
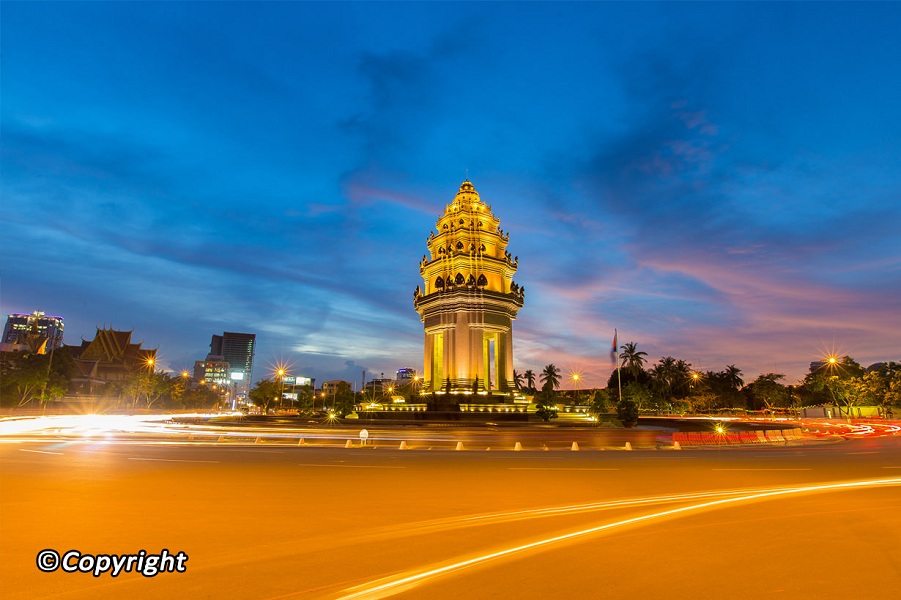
pixel 281 379
pixel 577 380
pixel 184 379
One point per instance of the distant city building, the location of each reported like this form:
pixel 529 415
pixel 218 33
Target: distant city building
pixel 35 332
pixel 330 388
pixel 469 300
pixel 379 386
pixel 405 375
pixel 237 349
pixel 215 370
pixel 110 356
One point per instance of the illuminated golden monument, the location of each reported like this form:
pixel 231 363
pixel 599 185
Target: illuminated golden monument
pixel 469 301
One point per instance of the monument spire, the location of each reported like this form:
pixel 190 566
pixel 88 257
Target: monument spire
pixel 468 301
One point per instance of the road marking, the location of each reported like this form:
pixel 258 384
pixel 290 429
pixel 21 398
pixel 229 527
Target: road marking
pixel 40 451
pixel 849 453
pixel 352 466
pixel 761 469
pixel 407 580
pixel 893 467
pixel 173 460
pixel 560 469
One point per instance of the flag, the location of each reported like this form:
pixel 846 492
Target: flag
pixel 613 349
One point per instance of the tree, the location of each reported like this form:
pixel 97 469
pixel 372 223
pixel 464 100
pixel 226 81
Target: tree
pixel 550 377
pixel 637 393
pixel 632 358
pixel 766 391
pixel 627 411
pixel 529 376
pixel 344 399
pixel 202 396
pixel 145 386
pixel 833 382
pixel 27 377
pixel 264 393
pixel 517 379
pixel 664 376
pixel 600 402
pixel 723 387
pixel 546 407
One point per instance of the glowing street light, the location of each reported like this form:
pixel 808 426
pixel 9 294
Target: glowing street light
pixel 280 373
pixel 576 378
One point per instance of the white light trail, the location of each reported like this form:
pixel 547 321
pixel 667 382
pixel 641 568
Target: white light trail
pixel 404 581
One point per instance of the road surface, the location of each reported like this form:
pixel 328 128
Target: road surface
pixel 278 521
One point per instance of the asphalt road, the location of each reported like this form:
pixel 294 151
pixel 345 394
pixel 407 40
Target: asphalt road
pixel 279 521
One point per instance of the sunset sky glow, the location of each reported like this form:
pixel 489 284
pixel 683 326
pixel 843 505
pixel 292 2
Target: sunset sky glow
pixel 721 182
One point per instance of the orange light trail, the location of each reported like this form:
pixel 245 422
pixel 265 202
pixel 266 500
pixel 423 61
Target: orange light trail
pixel 407 580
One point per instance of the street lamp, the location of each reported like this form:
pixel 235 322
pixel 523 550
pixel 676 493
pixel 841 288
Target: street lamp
pixel 576 378
pixel 280 373
pixel 695 377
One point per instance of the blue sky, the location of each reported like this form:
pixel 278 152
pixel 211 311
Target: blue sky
pixel 719 181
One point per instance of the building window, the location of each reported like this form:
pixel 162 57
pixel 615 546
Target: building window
pixel 459 279
pixel 482 280
pixel 439 283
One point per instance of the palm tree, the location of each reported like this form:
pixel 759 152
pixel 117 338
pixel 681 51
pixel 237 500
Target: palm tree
pixel 664 375
pixel 632 359
pixel 550 377
pixel 530 378
pixel 517 379
pixel 733 377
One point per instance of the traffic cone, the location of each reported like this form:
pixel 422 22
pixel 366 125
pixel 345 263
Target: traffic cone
pixel 517 447
pixel 403 446
pixel 677 445
pixel 221 438
pixel 300 442
pixel 349 444
pixel 628 446
pixel 575 447
pixel 257 441
pixel 459 446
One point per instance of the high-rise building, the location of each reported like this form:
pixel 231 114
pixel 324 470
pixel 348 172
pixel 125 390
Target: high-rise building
pixel 469 300
pixel 36 331
pixel 237 349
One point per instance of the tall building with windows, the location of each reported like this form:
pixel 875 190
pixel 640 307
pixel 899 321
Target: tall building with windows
pixel 469 301
pixel 237 349
pixel 36 332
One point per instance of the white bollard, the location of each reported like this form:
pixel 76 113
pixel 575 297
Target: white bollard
pixel 517 447
pixel 575 447
pixel 628 446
